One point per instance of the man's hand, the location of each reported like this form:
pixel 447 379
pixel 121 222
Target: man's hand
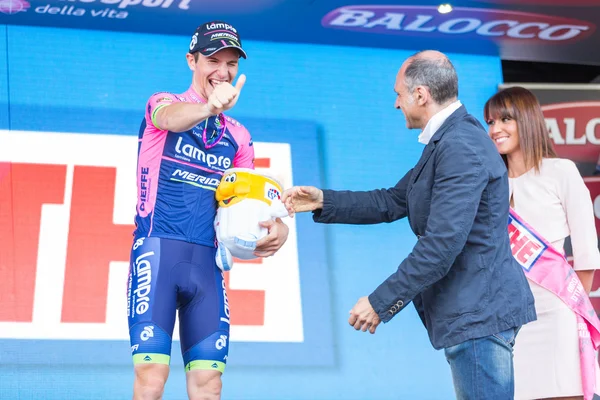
pixel 302 198
pixel 363 316
pixel 278 233
pixel 225 96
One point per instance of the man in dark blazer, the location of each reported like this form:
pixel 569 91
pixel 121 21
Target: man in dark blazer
pixel 469 291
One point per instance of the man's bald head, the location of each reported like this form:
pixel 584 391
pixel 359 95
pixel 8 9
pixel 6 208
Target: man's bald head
pixel 434 70
pixel 433 55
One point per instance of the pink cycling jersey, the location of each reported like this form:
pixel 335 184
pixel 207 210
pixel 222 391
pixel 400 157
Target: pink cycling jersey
pixel 177 174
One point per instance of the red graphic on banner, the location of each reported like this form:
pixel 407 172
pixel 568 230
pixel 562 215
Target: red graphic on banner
pixel 23 190
pixel 93 242
pixel 575 129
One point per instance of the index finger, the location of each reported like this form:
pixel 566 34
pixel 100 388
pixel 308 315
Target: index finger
pixel 286 194
pixel 290 209
pixel 352 319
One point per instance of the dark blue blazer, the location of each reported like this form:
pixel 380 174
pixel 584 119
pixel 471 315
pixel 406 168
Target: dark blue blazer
pixel 461 275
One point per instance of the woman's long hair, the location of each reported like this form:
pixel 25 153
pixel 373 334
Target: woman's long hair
pixel 521 105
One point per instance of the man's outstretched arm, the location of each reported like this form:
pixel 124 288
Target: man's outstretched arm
pixel 349 207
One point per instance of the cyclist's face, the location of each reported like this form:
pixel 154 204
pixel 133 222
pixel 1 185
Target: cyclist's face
pixel 213 70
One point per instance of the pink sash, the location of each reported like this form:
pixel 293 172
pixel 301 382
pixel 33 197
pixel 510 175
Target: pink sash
pixel 547 267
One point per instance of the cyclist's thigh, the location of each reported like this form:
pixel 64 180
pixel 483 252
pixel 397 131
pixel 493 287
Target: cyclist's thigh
pixel 152 299
pixel 203 313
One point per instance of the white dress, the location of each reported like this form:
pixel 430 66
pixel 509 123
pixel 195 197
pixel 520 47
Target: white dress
pixel 556 203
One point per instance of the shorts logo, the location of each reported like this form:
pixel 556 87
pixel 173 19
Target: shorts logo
pixel 147 333
pixel 143 272
pixel 225 304
pixel 221 342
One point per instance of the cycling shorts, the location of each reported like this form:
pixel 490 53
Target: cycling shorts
pixel 166 276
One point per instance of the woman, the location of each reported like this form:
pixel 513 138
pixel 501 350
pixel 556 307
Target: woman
pixel 549 194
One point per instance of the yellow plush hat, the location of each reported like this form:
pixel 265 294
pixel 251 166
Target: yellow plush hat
pixel 241 183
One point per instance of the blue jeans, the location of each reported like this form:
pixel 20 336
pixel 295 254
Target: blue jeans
pixel 482 369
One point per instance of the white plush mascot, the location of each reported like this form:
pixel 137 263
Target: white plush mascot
pixel 246 197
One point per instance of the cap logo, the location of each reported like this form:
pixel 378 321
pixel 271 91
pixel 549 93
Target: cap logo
pixel 194 41
pixel 212 26
pixel 223 35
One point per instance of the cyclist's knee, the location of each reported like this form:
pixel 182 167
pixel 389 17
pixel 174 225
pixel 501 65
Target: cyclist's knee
pixel 204 385
pixel 150 381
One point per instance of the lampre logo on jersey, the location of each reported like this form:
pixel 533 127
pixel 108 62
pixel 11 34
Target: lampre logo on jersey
pixel 191 153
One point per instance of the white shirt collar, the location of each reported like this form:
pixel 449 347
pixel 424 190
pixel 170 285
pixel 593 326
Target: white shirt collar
pixel 436 121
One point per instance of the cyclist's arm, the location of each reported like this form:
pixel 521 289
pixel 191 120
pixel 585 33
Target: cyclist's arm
pixel 180 117
pixel 167 113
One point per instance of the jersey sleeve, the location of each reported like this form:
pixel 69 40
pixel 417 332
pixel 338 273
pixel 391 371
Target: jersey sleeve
pixel 244 157
pixel 155 103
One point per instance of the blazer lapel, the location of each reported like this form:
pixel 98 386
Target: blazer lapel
pixel 424 157
pixel 428 150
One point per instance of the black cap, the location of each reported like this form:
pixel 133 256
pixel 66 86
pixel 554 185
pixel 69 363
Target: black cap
pixel 214 36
